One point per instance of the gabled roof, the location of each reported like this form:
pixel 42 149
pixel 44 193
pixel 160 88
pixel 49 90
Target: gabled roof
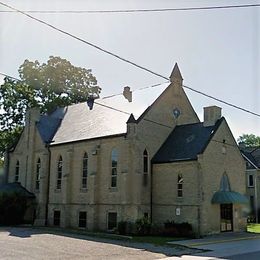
pixel 185 142
pixel 108 118
pixel 252 156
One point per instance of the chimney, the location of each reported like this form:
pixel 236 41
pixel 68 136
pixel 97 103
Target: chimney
pixel 211 115
pixel 127 93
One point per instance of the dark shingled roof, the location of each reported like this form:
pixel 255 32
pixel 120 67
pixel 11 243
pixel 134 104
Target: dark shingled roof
pixel 252 155
pixel 16 187
pixel 185 142
pixel 49 124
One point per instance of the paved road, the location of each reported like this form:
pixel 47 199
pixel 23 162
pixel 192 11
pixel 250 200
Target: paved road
pixel 235 250
pixel 27 243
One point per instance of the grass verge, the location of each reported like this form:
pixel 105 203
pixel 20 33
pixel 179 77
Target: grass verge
pixel 253 228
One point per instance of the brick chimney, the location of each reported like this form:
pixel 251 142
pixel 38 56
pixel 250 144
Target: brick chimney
pixel 211 115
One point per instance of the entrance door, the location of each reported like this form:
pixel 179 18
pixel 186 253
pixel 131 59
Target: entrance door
pixel 226 217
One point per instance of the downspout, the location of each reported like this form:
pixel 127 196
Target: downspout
pixel 48 186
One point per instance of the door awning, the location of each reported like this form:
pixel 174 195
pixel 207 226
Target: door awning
pixel 228 197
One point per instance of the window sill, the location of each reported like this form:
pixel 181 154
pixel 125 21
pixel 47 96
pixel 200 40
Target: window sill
pixel 83 190
pixel 113 189
pixel 250 186
pixel 57 190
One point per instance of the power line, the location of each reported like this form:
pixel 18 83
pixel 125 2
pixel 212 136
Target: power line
pixel 127 61
pixel 86 42
pixel 127 113
pixel 134 10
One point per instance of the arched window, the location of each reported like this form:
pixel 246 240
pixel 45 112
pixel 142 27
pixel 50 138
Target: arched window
pixel 84 179
pixel 145 167
pixel 59 173
pixel 180 186
pixel 114 162
pixel 17 171
pixel 37 181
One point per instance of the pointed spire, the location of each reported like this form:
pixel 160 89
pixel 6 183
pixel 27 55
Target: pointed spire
pixel 176 74
pixel 131 119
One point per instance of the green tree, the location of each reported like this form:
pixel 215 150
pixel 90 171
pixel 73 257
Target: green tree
pixel 249 139
pixel 47 86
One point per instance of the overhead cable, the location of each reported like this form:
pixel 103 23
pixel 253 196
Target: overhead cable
pixel 134 10
pixel 126 60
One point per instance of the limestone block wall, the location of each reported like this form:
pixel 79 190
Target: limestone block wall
pixel 166 204
pixel 221 156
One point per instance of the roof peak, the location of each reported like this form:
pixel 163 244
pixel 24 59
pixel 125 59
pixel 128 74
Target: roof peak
pixel 131 119
pixel 176 74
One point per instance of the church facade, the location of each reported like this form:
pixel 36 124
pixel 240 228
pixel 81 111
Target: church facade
pixel 91 168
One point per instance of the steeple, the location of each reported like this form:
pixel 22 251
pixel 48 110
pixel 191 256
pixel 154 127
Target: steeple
pixel 176 74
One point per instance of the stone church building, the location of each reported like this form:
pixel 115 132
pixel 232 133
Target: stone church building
pixel 91 168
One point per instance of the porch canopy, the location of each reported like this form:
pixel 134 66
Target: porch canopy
pixel 226 196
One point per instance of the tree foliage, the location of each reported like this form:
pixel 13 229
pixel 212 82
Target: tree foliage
pixel 47 86
pixel 249 140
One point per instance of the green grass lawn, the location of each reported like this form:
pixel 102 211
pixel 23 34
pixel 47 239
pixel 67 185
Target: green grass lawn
pixel 253 228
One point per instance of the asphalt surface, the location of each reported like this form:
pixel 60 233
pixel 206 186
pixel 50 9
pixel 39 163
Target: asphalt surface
pixel 27 243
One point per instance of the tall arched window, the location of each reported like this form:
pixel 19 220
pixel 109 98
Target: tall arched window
pixel 17 171
pixel 37 180
pixel 145 167
pixel 114 162
pixel 180 186
pixel 84 179
pixel 59 173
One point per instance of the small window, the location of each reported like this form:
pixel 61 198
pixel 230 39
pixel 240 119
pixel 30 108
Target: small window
pixel 114 162
pixel 145 167
pixel 112 220
pixel 84 171
pixel 59 174
pixel 146 215
pixel 180 186
pixel 82 219
pixel 17 171
pixel 250 180
pixel 37 181
pixel 56 218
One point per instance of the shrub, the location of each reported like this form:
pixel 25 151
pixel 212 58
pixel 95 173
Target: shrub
pixel 121 227
pixel 177 229
pixel 143 226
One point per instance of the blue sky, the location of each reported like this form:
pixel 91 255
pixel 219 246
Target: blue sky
pixel 217 50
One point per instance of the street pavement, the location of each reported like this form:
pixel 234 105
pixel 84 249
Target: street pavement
pixel 235 246
pixel 27 243
pixel 31 243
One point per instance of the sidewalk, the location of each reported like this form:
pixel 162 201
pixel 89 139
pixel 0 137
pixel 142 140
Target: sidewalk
pixel 217 238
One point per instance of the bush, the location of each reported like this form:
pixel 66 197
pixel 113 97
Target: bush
pixel 143 226
pixel 177 229
pixel 121 227
pixel 12 208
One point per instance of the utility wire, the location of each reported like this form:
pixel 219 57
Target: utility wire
pixel 84 41
pixel 134 10
pixel 127 61
pixel 127 113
